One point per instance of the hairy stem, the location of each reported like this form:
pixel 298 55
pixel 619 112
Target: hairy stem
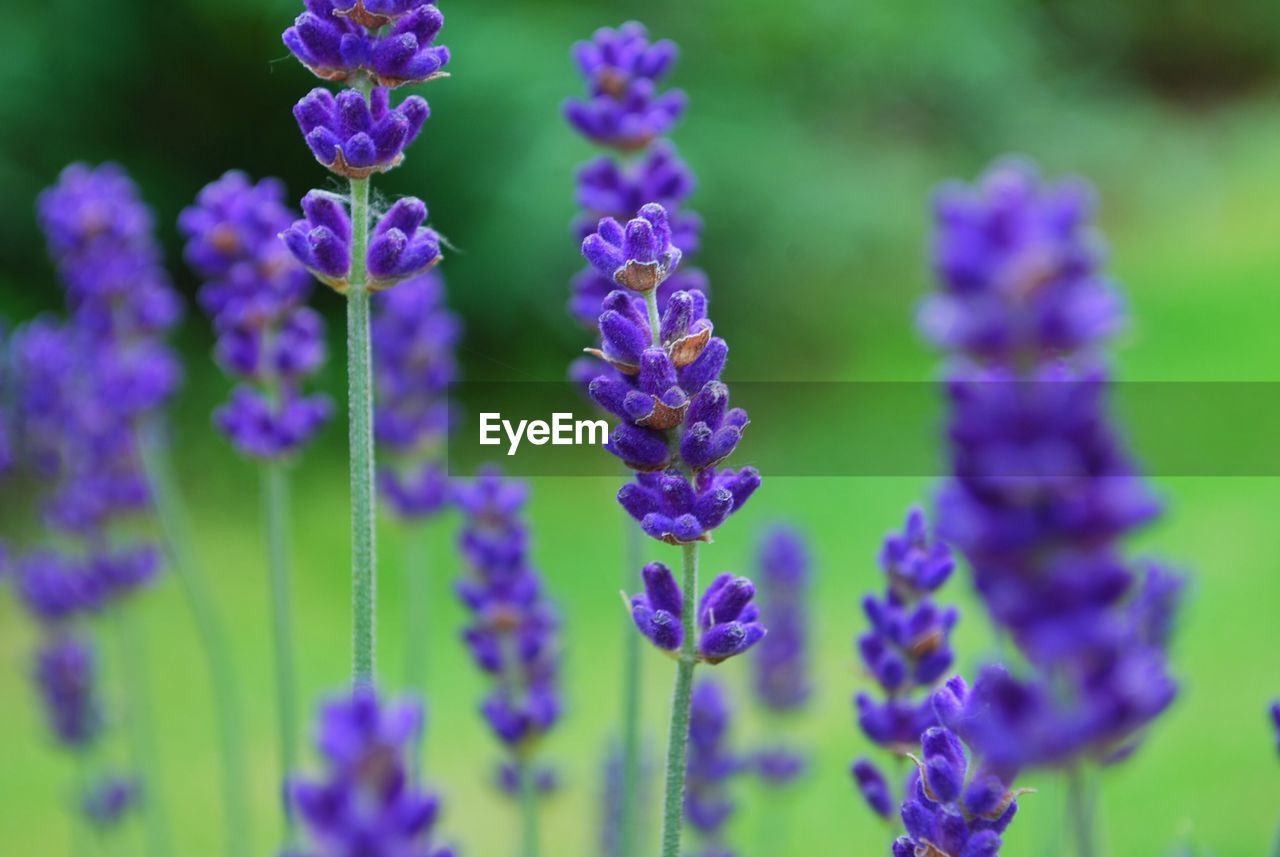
pixel 528 808
pixel 214 643
pixel 360 414
pixel 415 573
pixel 275 509
pixel 628 794
pixel 146 761
pixel 655 319
pixel 1081 814
pixel 681 702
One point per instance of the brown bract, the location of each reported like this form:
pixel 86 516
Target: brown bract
pixel 393 82
pixel 342 168
pixel 362 16
pixel 663 417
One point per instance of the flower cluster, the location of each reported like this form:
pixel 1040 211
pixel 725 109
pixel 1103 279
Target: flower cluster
pixel 665 389
pixel 66 672
pixel 413 340
pixel 355 137
pixel 391 43
pixel 367 802
pixel 907 649
pixel 623 113
pixel 726 621
pixel 709 769
pixel 400 245
pixel 256 294
pixel 513 635
pixel 1042 490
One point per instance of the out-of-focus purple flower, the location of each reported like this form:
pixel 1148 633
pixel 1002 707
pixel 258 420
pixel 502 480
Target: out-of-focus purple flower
pixel 711 765
pixel 54 588
pixel 413 341
pixel 400 245
pixel 366 802
pixel 107 801
pixel 907 650
pixel 727 621
pixel 65 673
pixel 607 188
pixel 778 765
pixel 256 294
pixel 622 68
pixel 781 663
pixel 356 137
pixel 1275 721
pixel 513 635
pixel 545 780
pixel 958 805
pixel 638 256
pixel 1042 489
pixel 338 40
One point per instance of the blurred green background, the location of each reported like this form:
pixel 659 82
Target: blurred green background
pixel 817 131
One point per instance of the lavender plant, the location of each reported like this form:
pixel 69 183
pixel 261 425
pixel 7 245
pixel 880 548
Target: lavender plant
pixel 907 651
pixel 269 341
pixel 711 767
pixel 513 635
pixel 366 802
pixel 1024 311
pixel 675 429
pixel 624 113
pixel 356 134
pixel 413 340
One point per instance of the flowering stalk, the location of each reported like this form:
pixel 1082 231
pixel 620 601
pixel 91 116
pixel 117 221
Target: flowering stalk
pixel 374 47
pixel 681 708
pixel 712 764
pixel 624 114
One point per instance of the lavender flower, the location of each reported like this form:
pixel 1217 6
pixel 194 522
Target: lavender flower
pixel 338 43
pixel 513 635
pixel 1275 720
pixel 413 340
pixel 622 68
pixel 726 619
pixel 267 337
pixel 400 246
pixel 1042 491
pixel 782 669
pixel 65 672
pixel 366 802
pixel 356 137
pixel 906 651
pixel 711 767
pixel 639 256
pixel 108 800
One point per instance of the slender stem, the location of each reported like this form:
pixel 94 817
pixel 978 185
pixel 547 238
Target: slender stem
pixel 628 794
pixel 655 319
pixel 681 703
pixel 528 808
pixel 415 572
pixel 213 639
pixel 360 407
pixel 141 734
pixel 275 510
pixel 1080 810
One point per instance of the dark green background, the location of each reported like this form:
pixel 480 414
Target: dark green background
pixel 817 131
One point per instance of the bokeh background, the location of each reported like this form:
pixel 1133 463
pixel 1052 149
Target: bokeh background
pixel 817 131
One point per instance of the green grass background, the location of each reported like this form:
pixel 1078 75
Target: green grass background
pixel 817 131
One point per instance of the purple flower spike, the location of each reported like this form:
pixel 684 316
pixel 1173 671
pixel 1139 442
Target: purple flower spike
pixel 355 137
pixel 65 672
pixel 1275 721
pixel 727 621
pixel 782 663
pixel 624 109
pixel 366 802
pixel 711 767
pixel 945 815
pixel 638 256
pixel 672 509
pixel 338 45
pixel 264 428
pixel 400 246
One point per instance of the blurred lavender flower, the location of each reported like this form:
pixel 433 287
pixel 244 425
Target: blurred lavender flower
pixel 513 635
pixel 366 802
pixel 109 799
pixel 413 340
pixel 1275 721
pixel 727 621
pixel 1043 491
pixel 392 42
pixel 711 767
pixel 906 651
pixel 782 661
pixel 66 672
pixel 613 793
pixel 256 294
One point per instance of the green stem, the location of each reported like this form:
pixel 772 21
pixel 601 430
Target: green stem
pixel 528 808
pixel 1275 849
pixel 146 760
pixel 415 572
pixel 655 319
pixel 681 703
pixel 360 408
pixel 213 639
pixel 628 794
pixel 1081 815
pixel 275 510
